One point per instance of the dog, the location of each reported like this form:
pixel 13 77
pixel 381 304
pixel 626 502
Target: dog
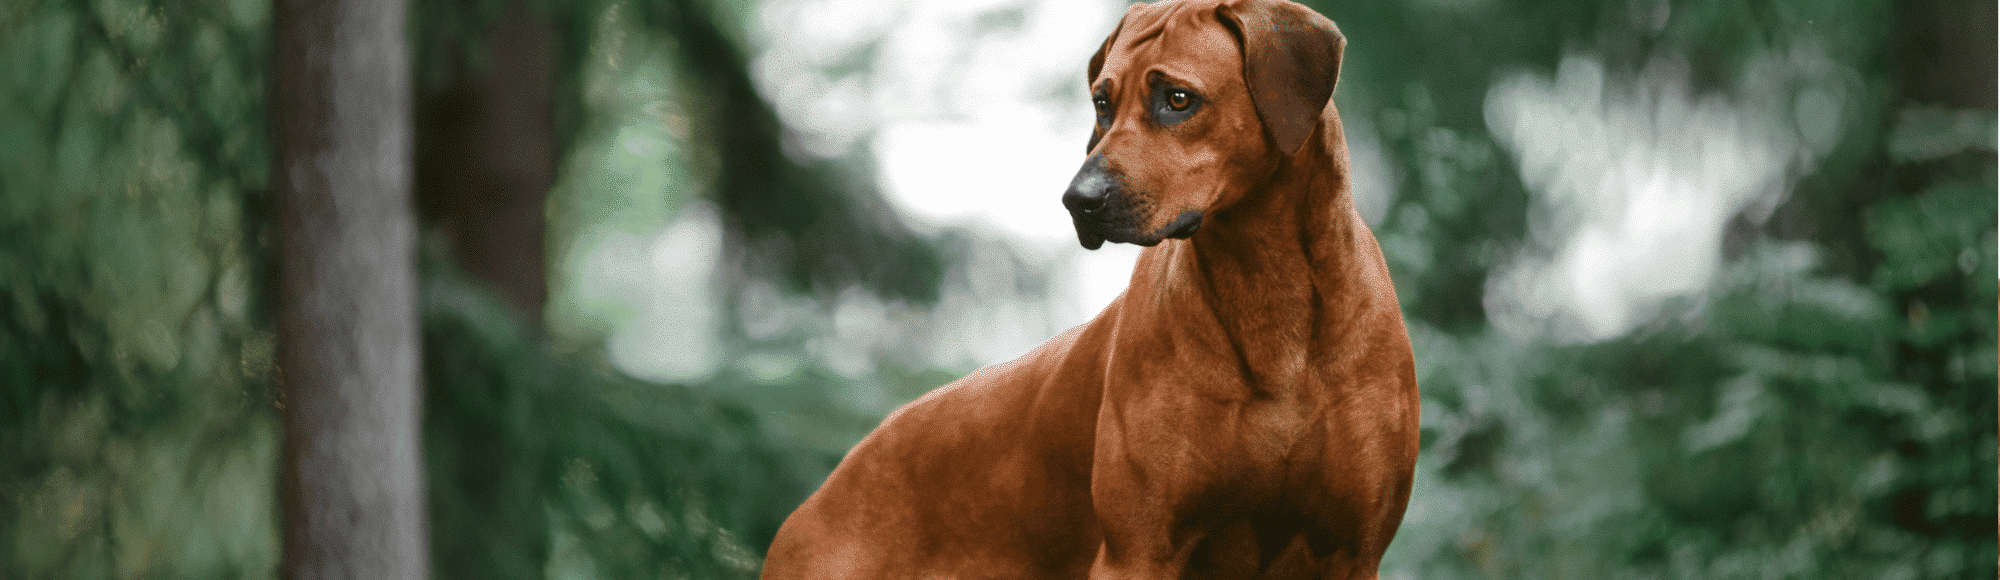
pixel 1247 408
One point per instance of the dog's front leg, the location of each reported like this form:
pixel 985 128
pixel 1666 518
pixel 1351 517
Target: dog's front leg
pixel 1140 505
pixel 1169 494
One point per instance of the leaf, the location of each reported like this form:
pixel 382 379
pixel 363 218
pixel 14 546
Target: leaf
pixel 1922 238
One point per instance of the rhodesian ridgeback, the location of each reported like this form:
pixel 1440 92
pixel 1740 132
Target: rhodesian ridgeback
pixel 1246 409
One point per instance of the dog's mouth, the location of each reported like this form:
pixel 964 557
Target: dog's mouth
pixel 1090 239
pixel 1115 225
pixel 1093 231
pixel 1185 225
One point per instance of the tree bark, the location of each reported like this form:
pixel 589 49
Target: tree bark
pixel 351 487
pixel 486 157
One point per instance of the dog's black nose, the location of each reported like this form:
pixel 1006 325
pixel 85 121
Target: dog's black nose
pixel 1083 199
pixel 1089 189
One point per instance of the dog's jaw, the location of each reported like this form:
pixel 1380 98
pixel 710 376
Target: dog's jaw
pixel 1185 225
pixel 1091 240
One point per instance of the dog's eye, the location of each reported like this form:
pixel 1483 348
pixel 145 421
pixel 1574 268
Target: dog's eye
pixel 1168 105
pixel 1103 106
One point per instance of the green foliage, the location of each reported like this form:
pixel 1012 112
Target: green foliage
pixel 1775 437
pixel 136 433
pixel 138 439
pixel 815 226
pixel 1930 236
pixel 1824 410
pixel 540 464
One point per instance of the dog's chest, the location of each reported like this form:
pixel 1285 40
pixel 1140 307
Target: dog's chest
pixel 1209 388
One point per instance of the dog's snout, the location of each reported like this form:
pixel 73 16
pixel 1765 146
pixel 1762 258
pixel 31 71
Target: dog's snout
pixel 1083 199
pixel 1089 189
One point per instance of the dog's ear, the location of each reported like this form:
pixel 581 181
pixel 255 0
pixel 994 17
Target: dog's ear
pixel 1097 60
pixel 1097 66
pixel 1291 58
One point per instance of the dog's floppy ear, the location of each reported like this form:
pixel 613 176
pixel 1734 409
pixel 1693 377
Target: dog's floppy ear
pixel 1097 66
pixel 1291 58
pixel 1097 60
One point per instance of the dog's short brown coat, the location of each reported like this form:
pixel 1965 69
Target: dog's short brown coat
pixel 1246 409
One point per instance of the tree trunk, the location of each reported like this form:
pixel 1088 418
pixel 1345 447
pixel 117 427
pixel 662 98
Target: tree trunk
pixel 351 482
pixel 486 158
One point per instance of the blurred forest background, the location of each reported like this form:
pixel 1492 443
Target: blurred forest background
pixel 1698 288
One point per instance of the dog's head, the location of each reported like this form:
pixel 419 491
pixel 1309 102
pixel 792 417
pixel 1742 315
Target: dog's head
pixel 1197 101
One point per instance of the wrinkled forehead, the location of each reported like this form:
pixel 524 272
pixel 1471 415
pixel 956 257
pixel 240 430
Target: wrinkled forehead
pixel 1181 39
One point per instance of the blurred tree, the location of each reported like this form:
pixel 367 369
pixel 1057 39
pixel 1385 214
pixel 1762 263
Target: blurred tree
pixel 486 152
pixel 138 436
pixel 629 478
pixel 494 117
pixel 814 226
pixel 351 482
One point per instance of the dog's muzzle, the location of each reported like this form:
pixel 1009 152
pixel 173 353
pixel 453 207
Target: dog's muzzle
pixel 1087 197
pixel 1104 210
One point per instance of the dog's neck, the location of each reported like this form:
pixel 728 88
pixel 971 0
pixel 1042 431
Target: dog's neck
pixel 1299 268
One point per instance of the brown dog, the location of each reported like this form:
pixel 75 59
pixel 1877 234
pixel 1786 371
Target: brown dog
pixel 1246 409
